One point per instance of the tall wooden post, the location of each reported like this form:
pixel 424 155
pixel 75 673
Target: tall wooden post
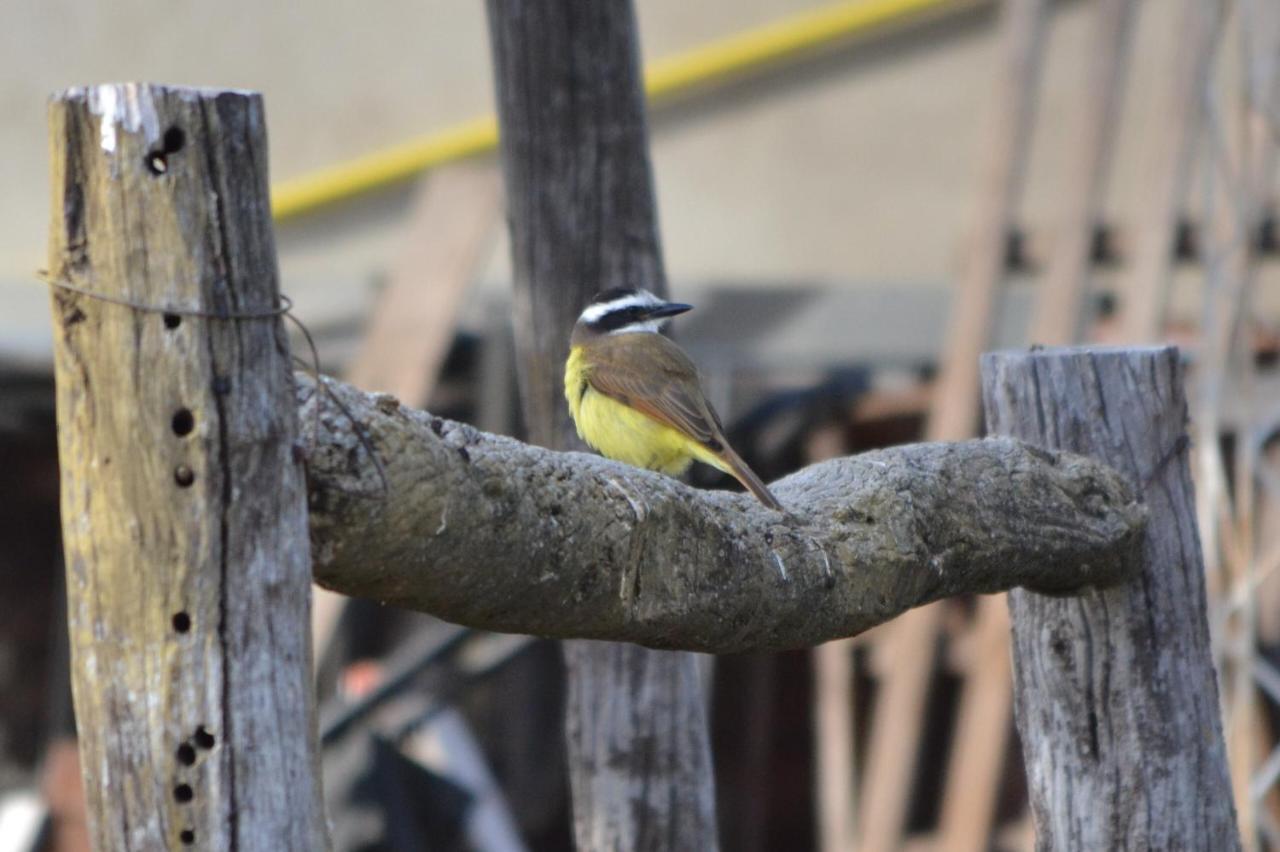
pixel 1226 368
pixel 1059 314
pixel 183 502
pixel 953 415
pixel 1171 154
pixel 581 209
pixel 1115 693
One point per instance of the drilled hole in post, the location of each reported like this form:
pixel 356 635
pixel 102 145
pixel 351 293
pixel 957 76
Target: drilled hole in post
pixel 172 321
pixel 184 476
pixel 204 739
pixel 186 754
pixel 181 622
pixel 174 139
pixel 187 836
pixel 158 159
pixel 183 422
pixel 183 793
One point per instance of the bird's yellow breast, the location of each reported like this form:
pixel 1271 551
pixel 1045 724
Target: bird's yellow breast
pixel 620 432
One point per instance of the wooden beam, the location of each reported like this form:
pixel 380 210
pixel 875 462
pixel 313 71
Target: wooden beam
pixel 183 496
pixel 1242 176
pixel 980 744
pixel 1060 302
pixel 582 215
pixel 685 567
pixel 899 716
pixel 1172 151
pixel 955 409
pixel 1116 694
pixel 834 748
pixel 911 645
pixel 983 719
pixel 413 322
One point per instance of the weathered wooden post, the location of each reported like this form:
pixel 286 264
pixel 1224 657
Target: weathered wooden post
pixel 581 209
pixel 1116 696
pixel 183 507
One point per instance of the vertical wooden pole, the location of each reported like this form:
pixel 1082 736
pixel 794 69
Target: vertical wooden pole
pixel 1243 180
pixel 954 413
pixel 1115 691
pixel 1173 148
pixel 581 209
pixel 183 502
pixel 980 745
pixel 895 735
pixel 575 157
pixel 834 745
pixel 455 211
pixel 1059 307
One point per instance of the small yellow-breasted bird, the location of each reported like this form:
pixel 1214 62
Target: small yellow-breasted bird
pixel 635 396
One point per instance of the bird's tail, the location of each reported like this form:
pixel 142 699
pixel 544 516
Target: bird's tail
pixel 738 469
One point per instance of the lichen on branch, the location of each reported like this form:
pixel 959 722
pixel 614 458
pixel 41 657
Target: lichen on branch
pixel 492 533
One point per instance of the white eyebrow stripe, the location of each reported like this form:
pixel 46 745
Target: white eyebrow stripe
pixel 594 313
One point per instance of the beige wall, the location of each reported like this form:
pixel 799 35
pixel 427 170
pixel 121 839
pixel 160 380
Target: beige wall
pixel 861 168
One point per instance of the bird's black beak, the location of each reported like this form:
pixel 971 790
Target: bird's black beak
pixel 669 309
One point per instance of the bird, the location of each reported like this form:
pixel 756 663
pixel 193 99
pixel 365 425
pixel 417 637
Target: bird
pixel 635 396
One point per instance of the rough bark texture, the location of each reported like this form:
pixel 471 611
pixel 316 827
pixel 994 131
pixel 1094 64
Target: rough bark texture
pixel 183 500
pixel 492 533
pixel 1116 696
pixel 581 209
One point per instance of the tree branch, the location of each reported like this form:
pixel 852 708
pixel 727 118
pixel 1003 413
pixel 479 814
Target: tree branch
pixel 492 533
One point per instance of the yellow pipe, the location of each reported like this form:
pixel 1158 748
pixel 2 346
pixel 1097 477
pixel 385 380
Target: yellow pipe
pixel 779 40
pixel 382 168
pixel 714 61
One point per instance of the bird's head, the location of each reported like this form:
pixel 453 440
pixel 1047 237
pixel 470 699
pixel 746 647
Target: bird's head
pixel 624 310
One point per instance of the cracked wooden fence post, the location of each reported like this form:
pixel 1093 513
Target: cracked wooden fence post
pixel 183 500
pixel 1115 693
pixel 582 216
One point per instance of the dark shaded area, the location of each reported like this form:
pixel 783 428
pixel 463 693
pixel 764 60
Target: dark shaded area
pixel 762 741
pixel 380 801
pixel 35 703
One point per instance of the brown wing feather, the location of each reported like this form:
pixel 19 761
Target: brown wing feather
pixel 670 392
pixel 667 390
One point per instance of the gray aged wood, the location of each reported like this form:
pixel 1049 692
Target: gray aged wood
pixel 183 501
pixel 581 210
pixel 492 533
pixel 575 159
pixel 1116 696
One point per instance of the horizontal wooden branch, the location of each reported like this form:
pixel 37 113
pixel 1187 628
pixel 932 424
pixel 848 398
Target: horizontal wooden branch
pixel 492 533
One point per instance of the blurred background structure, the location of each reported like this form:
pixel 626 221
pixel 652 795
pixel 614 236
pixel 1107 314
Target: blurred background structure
pixel 859 198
